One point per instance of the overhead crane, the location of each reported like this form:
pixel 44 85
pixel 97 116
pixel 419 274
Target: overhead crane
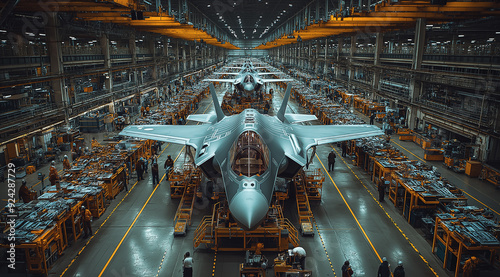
pixel 119 12
pixel 389 16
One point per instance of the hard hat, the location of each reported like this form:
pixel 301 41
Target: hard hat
pixel 66 156
pixel 53 162
pixel 83 207
pixel 384 259
pixel 23 181
pixel 400 263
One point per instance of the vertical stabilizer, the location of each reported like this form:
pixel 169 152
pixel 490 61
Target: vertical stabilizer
pixel 218 109
pixel 281 112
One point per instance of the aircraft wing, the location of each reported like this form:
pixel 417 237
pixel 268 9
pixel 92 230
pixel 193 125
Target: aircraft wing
pixel 270 73
pixel 277 80
pixel 191 135
pixel 227 73
pixel 219 80
pixel 314 135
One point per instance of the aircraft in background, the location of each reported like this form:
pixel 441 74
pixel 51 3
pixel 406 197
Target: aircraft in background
pixel 248 79
pixel 250 150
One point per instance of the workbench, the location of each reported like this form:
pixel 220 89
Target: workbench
pixel 490 174
pixel 458 237
pixel 283 265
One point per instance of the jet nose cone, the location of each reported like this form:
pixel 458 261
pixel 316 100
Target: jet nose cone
pixel 248 87
pixel 249 207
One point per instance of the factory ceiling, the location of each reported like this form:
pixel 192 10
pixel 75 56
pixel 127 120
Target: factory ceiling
pixel 252 19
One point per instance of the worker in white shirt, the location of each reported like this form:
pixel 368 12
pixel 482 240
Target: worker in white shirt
pixel 300 254
pixel 187 265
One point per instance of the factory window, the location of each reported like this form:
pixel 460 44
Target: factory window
pixel 249 155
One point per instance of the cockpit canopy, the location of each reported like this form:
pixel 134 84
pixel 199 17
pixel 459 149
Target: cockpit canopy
pixel 248 79
pixel 249 155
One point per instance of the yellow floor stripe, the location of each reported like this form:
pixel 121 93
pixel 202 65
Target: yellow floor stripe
pixel 215 261
pixel 409 151
pixel 324 247
pixel 97 231
pixel 140 212
pixel 387 214
pixel 135 219
pixel 350 210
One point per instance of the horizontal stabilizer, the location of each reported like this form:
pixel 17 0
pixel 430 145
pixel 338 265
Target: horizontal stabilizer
pixel 276 80
pixel 219 80
pixel 298 118
pixel 203 118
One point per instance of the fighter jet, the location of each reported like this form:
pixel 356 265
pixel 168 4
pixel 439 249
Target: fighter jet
pixel 250 150
pixel 248 79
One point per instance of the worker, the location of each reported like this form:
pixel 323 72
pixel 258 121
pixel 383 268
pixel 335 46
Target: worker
pixel 24 192
pixel 66 164
pixel 372 118
pixel 139 169
pixel 169 165
pixel 344 148
pixel 74 155
pixel 87 218
pixel 154 149
pixel 399 271
pixel 145 165
pixel 187 265
pixel 143 110
pixel 147 109
pixel 347 270
pixel 384 270
pixel 381 189
pixel 154 172
pixel 53 176
pixel 300 254
pixel 331 160
pixel 469 267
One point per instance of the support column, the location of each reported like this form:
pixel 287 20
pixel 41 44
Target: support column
pixel 325 66
pixel 133 52
pixel 316 57
pixel 191 61
pixel 195 57
pixel 379 46
pixel 353 50
pixel 177 57
pixel 297 59
pixel 184 58
pixel 60 94
pixel 152 50
pixel 165 55
pixel 415 84
pixel 340 46
pixel 108 83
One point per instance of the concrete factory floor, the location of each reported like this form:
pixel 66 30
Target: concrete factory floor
pixel 135 235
